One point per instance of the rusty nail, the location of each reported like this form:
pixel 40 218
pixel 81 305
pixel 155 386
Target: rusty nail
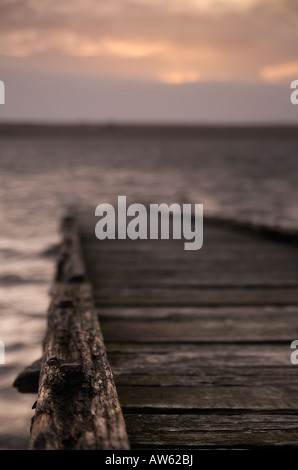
pixel 53 361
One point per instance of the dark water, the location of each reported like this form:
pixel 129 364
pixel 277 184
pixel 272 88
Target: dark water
pixel 252 179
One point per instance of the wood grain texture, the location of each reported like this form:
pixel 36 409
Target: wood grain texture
pixel 199 342
pixel 240 397
pixel 207 431
pixel 210 354
pixel 207 330
pixel 179 313
pixel 213 296
pixel 77 406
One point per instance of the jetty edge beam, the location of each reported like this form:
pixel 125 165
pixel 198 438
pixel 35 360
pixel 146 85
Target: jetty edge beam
pixel 77 406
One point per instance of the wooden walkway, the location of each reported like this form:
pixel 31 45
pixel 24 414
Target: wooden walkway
pixel 199 341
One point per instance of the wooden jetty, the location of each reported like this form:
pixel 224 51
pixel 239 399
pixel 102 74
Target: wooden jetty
pixel 198 341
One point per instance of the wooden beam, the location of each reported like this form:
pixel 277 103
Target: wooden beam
pixel 77 406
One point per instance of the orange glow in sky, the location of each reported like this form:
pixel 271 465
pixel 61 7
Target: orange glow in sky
pixel 171 42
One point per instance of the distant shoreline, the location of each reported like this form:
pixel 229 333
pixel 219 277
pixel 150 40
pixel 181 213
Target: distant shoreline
pixel 273 131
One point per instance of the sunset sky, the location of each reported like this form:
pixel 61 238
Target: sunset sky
pixel 149 60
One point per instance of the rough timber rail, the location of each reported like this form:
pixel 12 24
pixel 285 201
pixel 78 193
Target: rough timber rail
pixel 198 342
pixel 77 406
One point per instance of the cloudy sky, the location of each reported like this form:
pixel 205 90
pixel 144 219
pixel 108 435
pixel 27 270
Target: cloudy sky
pixel 149 60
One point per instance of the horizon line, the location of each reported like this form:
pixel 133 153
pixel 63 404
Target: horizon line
pixel 147 124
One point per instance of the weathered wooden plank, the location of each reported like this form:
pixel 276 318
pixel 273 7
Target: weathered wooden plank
pixel 229 258
pixel 205 376
pixel 77 405
pixel 214 237
pixel 139 399
pixel 221 247
pixel 170 278
pixel 197 296
pixel 244 430
pixel 206 258
pixel 193 361
pixel 204 332
pixel 168 250
pixel 287 314
pixel 250 353
pixel 207 330
pixel 200 359
pixel 191 358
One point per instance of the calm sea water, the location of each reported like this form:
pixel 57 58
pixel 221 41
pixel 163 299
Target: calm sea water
pixel 245 179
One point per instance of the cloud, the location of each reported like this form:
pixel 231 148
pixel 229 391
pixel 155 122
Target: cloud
pixel 173 42
pixel 280 72
pixel 32 41
pixel 94 8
